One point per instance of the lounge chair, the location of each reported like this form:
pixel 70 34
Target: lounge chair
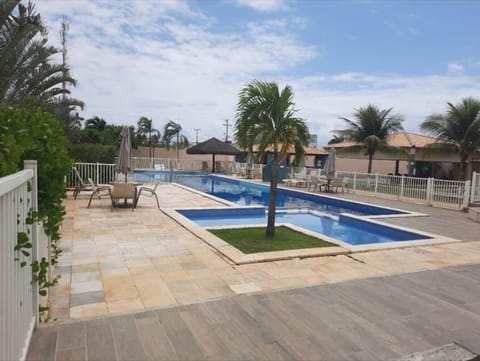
pixel 149 192
pixel 80 184
pixel 99 191
pixel 124 191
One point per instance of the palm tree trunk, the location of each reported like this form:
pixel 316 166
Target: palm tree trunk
pixel 272 202
pixel 370 159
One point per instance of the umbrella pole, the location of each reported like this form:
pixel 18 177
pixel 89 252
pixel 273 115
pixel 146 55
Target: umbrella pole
pixel 213 163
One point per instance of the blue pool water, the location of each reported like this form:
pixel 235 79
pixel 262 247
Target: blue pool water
pixel 320 214
pixel 251 194
pixel 345 228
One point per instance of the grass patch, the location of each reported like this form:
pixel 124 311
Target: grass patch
pixel 253 240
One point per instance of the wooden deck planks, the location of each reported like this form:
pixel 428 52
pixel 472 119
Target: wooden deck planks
pixel 378 318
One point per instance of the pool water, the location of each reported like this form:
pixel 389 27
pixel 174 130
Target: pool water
pixel 345 228
pixel 252 194
pixel 314 212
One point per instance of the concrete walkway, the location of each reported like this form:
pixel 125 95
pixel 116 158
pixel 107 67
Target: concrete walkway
pixel 123 261
pixel 381 318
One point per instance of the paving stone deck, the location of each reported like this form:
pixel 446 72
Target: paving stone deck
pixel 381 318
pixel 137 285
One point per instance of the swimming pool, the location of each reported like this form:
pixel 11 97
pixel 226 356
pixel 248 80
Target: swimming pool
pixel 246 193
pixel 336 218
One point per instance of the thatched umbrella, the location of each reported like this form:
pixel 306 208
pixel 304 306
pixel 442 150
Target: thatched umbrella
pixel 214 146
pixel 124 156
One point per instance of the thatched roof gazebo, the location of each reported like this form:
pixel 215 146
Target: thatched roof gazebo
pixel 214 146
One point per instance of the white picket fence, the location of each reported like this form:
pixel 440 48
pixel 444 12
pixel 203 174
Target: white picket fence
pixel 430 191
pixel 18 297
pixel 475 189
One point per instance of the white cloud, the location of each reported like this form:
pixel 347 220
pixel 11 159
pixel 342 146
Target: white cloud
pixel 455 67
pixel 264 5
pixel 165 60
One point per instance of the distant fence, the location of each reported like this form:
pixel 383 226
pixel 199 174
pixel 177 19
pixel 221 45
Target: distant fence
pixel 18 297
pixel 475 192
pixel 429 191
pixel 100 173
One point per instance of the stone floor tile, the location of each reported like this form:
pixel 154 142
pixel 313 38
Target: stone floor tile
pixel 90 310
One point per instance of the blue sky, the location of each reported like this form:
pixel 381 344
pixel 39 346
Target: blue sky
pixel 187 60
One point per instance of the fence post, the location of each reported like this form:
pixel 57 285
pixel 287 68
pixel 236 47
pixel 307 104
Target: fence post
pixel 430 189
pixel 97 180
pixel 473 188
pixel 32 164
pixel 402 186
pixel 466 195
pixel 354 181
pixel 376 182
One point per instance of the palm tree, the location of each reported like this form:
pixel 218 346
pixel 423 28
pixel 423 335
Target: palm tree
pixel 171 130
pixel 266 117
pixel 26 68
pixel 371 128
pixel 145 127
pixel 458 130
pixel 96 123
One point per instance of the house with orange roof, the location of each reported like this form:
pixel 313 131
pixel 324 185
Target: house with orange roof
pixel 414 158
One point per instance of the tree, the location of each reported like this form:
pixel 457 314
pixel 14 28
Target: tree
pixel 171 130
pixel 266 117
pixel 96 123
pixel 145 128
pixel 26 67
pixel 336 139
pixel 371 128
pixel 458 130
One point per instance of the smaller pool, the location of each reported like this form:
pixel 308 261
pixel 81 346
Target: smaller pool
pixel 343 227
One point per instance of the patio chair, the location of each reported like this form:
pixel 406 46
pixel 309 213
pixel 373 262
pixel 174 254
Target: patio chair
pixel 124 191
pixel 339 183
pixel 80 184
pixel 99 191
pixel 149 192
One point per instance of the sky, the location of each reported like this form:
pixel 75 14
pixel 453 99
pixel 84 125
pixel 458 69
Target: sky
pixel 187 61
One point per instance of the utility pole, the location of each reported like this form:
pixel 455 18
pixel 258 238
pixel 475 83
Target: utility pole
pixel 196 130
pixel 63 35
pixel 226 125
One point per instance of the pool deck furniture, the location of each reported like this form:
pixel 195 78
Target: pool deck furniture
pixel 148 192
pixel 80 184
pixel 99 191
pixel 124 191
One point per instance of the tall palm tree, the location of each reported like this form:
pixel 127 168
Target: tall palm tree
pixel 96 123
pixel 266 117
pixel 145 128
pixel 26 66
pixel 371 128
pixel 458 130
pixel 172 130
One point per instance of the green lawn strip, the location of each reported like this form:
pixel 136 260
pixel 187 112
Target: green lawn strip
pixel 253 240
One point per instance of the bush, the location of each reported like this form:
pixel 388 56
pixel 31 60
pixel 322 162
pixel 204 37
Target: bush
pixel 27 133
pixel 93 153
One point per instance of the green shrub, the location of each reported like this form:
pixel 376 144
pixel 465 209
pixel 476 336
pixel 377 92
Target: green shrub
pixel 93 153
pixel 27 133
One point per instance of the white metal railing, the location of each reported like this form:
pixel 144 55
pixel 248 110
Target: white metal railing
pixel 475 188
pixel 101 173
pixel 430 191
pixel 18 297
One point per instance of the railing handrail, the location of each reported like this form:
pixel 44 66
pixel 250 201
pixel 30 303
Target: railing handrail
pixel 12 181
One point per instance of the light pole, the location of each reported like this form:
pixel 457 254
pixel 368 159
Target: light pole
pixel 196 130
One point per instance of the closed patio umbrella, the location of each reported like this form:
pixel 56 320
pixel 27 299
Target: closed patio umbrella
pixel 213 146
pixel 124 156
pixel 330 165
